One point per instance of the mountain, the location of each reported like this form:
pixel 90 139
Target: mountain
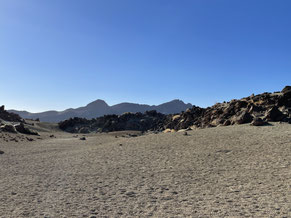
pixel 99 108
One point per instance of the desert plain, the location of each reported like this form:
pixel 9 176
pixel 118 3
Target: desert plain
pixel 231 171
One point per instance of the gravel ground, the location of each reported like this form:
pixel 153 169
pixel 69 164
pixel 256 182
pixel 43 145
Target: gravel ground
pixel 236 171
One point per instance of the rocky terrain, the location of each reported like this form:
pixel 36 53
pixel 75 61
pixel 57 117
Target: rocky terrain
pixel 150 120
pixel 227 171
pixel 8 116
pixel 256 109
pixel 13 123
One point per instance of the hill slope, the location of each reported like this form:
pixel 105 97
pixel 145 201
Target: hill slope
pixel 99 108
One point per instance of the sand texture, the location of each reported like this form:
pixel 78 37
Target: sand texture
pixel 235 171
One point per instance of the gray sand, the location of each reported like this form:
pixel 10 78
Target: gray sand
pixel 236 171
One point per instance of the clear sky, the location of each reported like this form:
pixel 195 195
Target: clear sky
pixel 57 54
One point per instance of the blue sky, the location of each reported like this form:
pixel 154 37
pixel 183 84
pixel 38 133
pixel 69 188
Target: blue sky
pixel 57 54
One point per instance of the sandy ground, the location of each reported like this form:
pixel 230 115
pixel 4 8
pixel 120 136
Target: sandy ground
pixel 237 171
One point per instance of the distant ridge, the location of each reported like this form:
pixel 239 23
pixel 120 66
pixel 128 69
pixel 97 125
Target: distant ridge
pixel 100 107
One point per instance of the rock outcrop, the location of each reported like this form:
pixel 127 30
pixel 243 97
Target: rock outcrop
pixel 255 109
pixel 13 123
pixel 150 120
pixel 24 130
pixel 7 116
pixel 258 109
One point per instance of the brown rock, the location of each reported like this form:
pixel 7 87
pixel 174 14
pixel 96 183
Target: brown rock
pixel 244 117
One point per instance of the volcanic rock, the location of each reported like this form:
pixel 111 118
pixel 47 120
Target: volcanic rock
pixel 8 128
pixel 4 115
pixel 258 122
pixel 274 114
pixel 22 129
pixel 286 90
pixel 272 106
pixel 244 117
pixel 84 130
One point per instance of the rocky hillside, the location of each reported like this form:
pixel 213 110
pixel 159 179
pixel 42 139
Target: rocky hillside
pixel 150 120
pixel 100 108
pixel 13 123
pixel 255 109
pixel 7 116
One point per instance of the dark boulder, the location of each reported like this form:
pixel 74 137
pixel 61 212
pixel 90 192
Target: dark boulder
pixel 24 130
pixel 274 114
pixel 285 99
pixel 286 90
pixel 241 104
pixel 258 122
pixel 227 123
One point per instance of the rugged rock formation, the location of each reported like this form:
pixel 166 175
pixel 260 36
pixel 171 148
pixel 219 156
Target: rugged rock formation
pixel 7 116
pixel 255 109
pixel 150 120
pixel 8 128
pixel 258 108
pixel 13 123
pixel 24 130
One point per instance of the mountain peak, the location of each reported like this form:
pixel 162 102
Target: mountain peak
pixel 98 103
pixel 99 108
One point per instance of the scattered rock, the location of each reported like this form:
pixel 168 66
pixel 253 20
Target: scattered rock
pixel 131 194
pixel 1 152
pixel 83 138
pixel 223 151
pixel 29 139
